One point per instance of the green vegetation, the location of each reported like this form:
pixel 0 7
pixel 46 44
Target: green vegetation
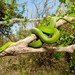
pixel 52 63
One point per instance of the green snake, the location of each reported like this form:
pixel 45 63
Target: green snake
pixel 43 31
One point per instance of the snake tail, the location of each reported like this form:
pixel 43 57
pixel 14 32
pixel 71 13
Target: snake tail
pixel 5 46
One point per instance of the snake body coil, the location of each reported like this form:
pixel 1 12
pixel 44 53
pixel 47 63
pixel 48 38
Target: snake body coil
pixel 44 38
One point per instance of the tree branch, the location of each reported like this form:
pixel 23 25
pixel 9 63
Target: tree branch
pixel 17 20
pixel 21 47
pixel 61 21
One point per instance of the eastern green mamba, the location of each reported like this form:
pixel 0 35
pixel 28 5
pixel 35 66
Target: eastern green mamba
pixel 46 28
pixel 43 31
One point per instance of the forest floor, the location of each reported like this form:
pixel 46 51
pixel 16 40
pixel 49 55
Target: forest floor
pixel 33 64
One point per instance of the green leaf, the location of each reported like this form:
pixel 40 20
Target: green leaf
pixel 72 15
pixel 67 1
pixel 59 55
pixel 62 1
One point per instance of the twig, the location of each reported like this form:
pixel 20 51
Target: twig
pixel 17 20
